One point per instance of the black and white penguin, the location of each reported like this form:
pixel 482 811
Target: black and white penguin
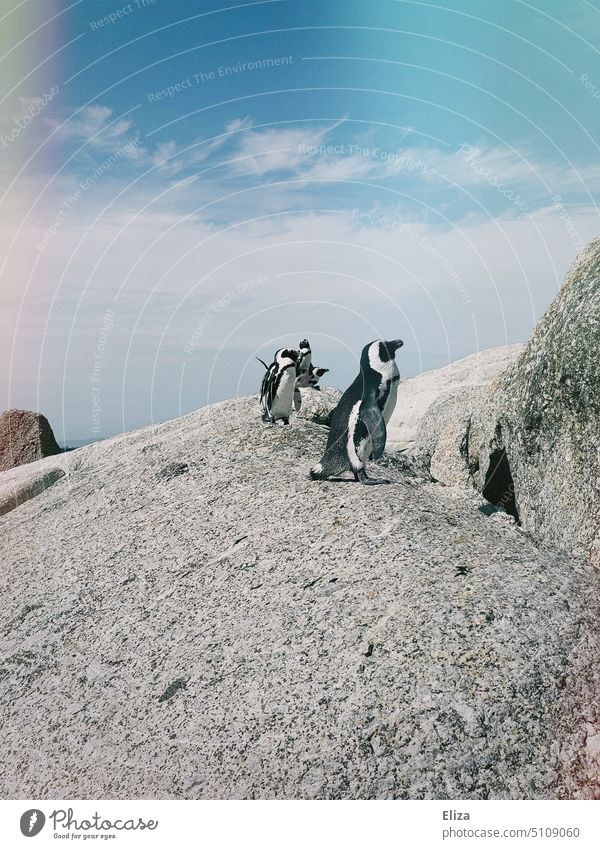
pixel 278 384
pixel 308 380
pixel 315 375
pixel 304 361
pixel 302 372
pixel 359 422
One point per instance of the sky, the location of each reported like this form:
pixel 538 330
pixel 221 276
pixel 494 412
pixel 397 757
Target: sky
pixel 187 185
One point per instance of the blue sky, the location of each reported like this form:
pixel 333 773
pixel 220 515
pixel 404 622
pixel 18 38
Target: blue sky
pixel 212 180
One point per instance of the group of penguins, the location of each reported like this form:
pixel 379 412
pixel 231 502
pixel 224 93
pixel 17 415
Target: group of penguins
pixel 291 370
pixel 358 429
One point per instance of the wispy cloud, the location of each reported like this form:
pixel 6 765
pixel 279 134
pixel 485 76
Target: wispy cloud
pixel 94 125
pixel 500 178
pixel 473 165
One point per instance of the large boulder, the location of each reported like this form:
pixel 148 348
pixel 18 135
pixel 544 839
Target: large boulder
pixel 184 614
pixel 24 438
pixel 534 437
pixel 416 394
pixel 548 415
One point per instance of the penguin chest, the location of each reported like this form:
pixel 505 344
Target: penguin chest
pixel 282 402
pixel 390 400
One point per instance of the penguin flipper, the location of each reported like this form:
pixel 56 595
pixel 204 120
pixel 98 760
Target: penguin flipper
pixel 297 399
pixel 375 424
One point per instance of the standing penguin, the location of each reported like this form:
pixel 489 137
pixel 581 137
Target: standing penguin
pixel 304 362
pixel 358 425
pixel 303 368
pixel 277 389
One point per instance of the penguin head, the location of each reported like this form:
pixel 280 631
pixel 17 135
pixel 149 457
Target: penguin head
pixel 387 350
pixel 286 356
pixel 380 351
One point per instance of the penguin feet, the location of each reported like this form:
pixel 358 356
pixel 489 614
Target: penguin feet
pixel 363 478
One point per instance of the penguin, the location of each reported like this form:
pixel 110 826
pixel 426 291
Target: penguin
pixel 304 361
pixel 278 384
pixel 314 376
pixel 311 377
pixel 308 380
pixel 358 424
pixel 302 372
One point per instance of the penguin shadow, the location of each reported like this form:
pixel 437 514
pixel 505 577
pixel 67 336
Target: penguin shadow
pixel 340 480
pixel 352 480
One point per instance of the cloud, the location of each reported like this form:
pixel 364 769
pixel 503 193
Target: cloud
pixel 471 180
pixel 241 287
pixel 272 150
pixel 93 125
pixel 238 124
pixel 179 237
pixel 163 153
pixel 479 166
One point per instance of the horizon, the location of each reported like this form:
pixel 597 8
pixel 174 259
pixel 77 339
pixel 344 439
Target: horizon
pixel 72 443
pixel 188 186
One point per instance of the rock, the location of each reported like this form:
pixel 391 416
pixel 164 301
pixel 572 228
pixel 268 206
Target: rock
pixel 533 439
pixel 24 438
pixel 245 632
pixel 319 404
pixel 12 496
pixel 417 393
pixel 548 415
pixel 442 442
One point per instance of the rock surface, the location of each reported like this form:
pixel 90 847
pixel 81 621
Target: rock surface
pixel 442 443
pixel 184 614
pixel 417 393
pixel 549 415
pixel 24 438
pixel 319 404
pixel 535 433
pixel 20 488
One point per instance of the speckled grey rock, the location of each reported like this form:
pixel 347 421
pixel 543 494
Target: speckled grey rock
pixel 442 442
pixel 239 631
pixel 20 488
pixel 539 424
pixel 548 415
pixel 416 394
pixel 319 404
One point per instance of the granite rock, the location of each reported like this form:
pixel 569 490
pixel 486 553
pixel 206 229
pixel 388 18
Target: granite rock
pixel 416 394
pixel 25 437
pixel 240 631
